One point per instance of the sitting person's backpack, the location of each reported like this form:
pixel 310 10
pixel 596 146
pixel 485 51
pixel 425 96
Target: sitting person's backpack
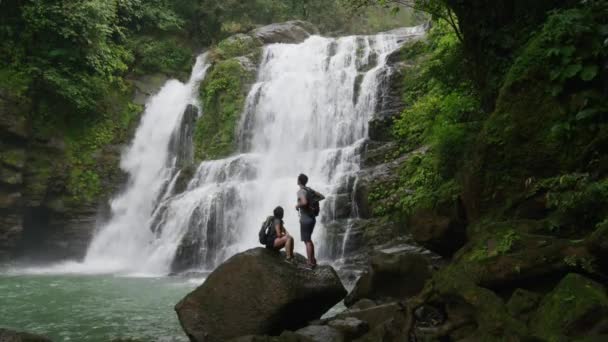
pixel 265 230
pixel 314 197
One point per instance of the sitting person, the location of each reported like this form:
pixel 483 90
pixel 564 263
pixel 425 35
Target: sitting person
pixel 278 236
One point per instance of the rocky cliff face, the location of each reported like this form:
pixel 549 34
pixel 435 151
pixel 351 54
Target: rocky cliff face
pixel 354 230
pixel 42 218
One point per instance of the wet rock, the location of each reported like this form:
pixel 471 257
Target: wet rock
pixel 180 144
pixel 381 129
pixel 10 177
pixel 442 230
pixel 391 276
pixel 146 86
pixel 256 292
pixel 350 327
pixel 377 153
pixel 597 243
pixel 363 304
pixel 390 330
pixel 522 303
pixel 291 32
pixel 286 336
pixel 375 315
pixel 13 157
pixel 16 336
pixel 184 177
pixel 428 316
pixel 13 126
pixel 321 333
pixel 575 307
pixel 339 206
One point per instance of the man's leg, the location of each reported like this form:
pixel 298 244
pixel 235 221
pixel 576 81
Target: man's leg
pixel 310 252
pixel 307 243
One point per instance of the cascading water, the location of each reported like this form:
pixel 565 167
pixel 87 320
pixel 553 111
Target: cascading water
pixel 126 243
pixel 308 113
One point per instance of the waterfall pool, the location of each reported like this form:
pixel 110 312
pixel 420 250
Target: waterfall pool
pixel 85 308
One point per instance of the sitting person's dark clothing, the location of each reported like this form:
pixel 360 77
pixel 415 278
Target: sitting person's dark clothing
pixel 278 236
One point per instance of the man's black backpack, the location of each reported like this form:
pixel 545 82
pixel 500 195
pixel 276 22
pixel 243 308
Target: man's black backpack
pixel 266 229
pixel 313 198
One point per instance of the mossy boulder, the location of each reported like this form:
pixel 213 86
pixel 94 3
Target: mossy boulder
pixel 573 308
pixel 238 45
pixel 13 157
pixel 289 32
pixel 391 276
pixel 522 303
pixel 255 293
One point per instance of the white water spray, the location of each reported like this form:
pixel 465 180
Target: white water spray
pixel 125 243
pixel 307 113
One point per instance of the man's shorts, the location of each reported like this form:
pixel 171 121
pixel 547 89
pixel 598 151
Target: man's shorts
pixel 307 225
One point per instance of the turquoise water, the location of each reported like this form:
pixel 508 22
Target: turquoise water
pixel 93 308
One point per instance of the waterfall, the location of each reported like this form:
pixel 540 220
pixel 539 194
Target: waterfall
pixel 126 243
pixel 308 112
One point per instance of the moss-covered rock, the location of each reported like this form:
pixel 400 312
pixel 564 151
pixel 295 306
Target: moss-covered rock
pixel 223 96
pixel 238 45
pixel 522 303
pixel 391 276
pixel 13 157
pixel 572 309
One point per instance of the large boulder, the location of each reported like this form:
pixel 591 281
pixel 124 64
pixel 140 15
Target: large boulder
pixel 375 315
pixel 391 276
pixel 442 230
pixel 17 336
pixel 577 307
pixel 257 293
pixel 291 32
pixel 321 333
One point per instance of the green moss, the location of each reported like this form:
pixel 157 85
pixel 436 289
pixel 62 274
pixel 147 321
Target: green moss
pixel 440 108
pixel 495 244
pixel 522 302
pixel 570 309
pixel 494 323
pixel 238 45
pixel 40 167
pixel 13 157
pixel 223 98
pixel 85 148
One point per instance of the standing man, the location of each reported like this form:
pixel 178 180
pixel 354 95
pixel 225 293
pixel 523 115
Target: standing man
pixel 308 206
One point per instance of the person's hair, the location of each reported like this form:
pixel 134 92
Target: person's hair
pixel 278 212
pixel 302 179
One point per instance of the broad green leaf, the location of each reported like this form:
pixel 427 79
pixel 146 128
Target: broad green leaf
pixel 571 70
pixel 586 113
pixel 589 72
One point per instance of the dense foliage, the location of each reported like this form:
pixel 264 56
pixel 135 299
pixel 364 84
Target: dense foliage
pixel 69 64
pixel 502 166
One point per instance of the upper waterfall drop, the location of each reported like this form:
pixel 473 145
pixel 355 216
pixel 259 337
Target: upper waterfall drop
pixel 125 242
